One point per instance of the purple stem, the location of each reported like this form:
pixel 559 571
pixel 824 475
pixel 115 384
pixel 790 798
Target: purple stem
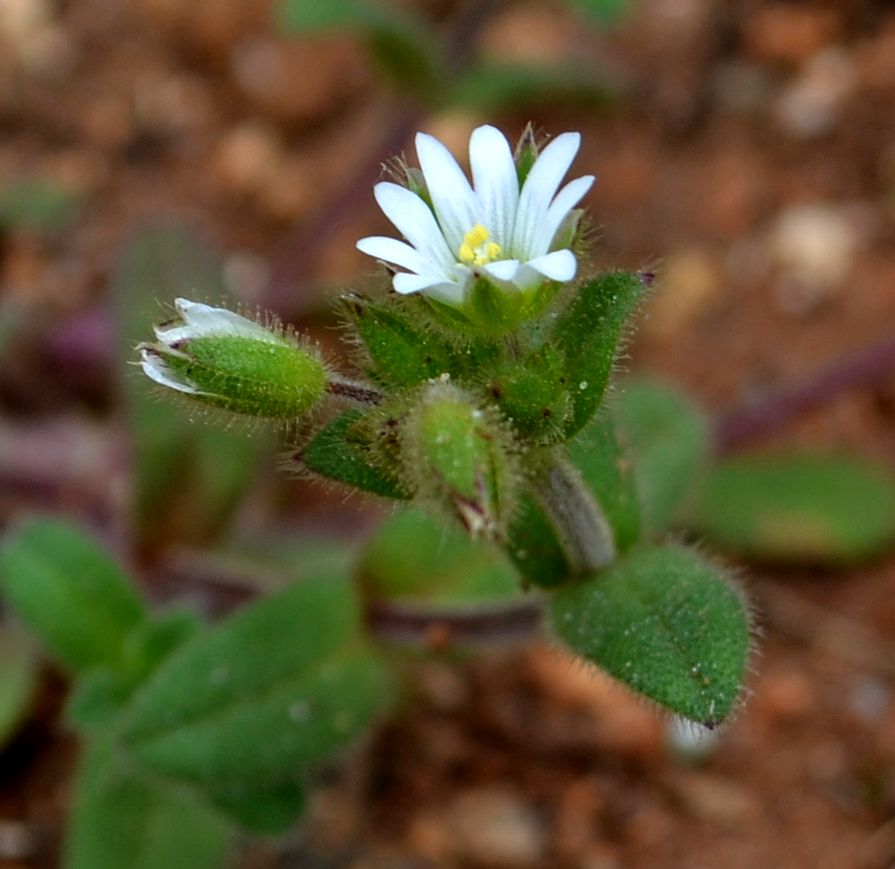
pixel 866 368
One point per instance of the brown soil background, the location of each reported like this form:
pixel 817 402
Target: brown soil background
pixel 751 162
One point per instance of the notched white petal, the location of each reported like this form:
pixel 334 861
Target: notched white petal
pixel 495 181
pixel 155 368
pixel 560 265
pixel 454 202
pixel 503 270
pixel 414 220
pixel 391 250
pixel 201 321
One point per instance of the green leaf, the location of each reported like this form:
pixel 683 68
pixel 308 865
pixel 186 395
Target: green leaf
pixel 604 11
pixel 667 437
pixel 666 623
pixel 401 352
pixel 254 700
pixel 413 557
pixel 340 452
pixel 609 474
pixel 797 508
pixel 187 477
pixel 36 204
pixel 589 332
pixel 68 591
pixel 120 820
pixel 534 546
pixel 99 695
pixel 401 42
pixel 19 675
pixel 266 811
pixel 507 86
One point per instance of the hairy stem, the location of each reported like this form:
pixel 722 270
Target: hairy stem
pixel 576 516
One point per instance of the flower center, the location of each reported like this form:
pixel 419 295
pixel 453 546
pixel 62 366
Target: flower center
pixel 476 250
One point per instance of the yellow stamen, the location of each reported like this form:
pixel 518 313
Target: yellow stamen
pixel 476 250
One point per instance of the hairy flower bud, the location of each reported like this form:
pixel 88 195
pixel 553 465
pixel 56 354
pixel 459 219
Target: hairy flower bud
pixel 461 459
pixel 222 359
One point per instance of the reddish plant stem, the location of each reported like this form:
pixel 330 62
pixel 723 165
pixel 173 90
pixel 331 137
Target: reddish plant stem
pixel 871 366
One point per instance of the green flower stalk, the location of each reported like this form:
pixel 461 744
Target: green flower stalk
pixel 222 359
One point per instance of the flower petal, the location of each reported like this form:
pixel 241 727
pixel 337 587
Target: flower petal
pixel 393 251
pixel 155 368
pixel 495 180
pixel 503 270
pixel 565 201
pixel 539 189
pixel 200 320
pixel 414 220
pixel 431 285
pixel 560 265
pixel 455 204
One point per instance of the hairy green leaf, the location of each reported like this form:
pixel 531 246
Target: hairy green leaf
pixel 266 811
pixel 340 452
pixel 797 508
pixel 67 590
pixel 590 331
pixel 666 623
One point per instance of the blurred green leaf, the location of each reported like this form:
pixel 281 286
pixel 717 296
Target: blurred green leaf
pixel 413 557
pixel 401 42
pixel 338 453
pixel 534 546
pixel 98 696
pixel 119 821
pixel 609 474
pixel 68 590
pixel 667 438
pixel 509 86
pixel 604 11
pixel 19 674
pixel 797 508
pixel 37 204
pixel 187 477
pixel 265 811
pixel 254 700
pixel 666 623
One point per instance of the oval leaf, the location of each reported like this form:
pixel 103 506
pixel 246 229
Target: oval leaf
pixel 69 592
pixel 798 509
pixel 254 700
pixel 667 624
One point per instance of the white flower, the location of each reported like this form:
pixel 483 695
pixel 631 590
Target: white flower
pixel 490 228
pixel 194 320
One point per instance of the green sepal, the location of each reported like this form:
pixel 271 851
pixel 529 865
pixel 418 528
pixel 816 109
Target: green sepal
pixel 264 811
pixel 401 352
pixel 276 379
pixel 251 702
pixel 344 451
pixel 665 622
pixel 69 592
pixel 496 311
pixel 412 557
pixel 461 459
pixel 120 819
pixel 589 332
pixel 667 438
pixel 533 394
pixel 797 508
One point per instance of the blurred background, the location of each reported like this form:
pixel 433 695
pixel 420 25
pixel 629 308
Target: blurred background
pixel 744 151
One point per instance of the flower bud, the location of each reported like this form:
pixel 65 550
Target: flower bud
pixel 222 359
pixel 462 459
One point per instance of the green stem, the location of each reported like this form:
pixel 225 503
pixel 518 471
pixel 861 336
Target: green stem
pixel 576 516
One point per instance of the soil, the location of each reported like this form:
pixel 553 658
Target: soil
pixel 749 159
